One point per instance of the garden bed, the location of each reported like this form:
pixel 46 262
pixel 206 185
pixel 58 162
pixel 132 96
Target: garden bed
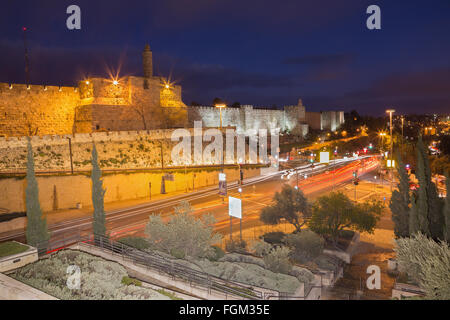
pixel 100 279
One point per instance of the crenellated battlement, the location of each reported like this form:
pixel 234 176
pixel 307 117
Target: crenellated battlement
pixel 19 88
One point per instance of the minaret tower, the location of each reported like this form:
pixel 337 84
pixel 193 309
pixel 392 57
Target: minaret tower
pixel 147 61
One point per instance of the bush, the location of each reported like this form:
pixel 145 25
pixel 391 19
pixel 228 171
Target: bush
pixel 306 245
pixel 261 248
pixel 217 254
pixel 276 238
pixel 183 233
pixel 427 263
pixel 130 281
pixel 236 246
pixel 278 260
pixel 177 253
pixel 135 242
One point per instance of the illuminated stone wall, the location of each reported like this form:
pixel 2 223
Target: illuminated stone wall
pixel 97 104
pixel 37 110
pixel 71 190
pixel 247 118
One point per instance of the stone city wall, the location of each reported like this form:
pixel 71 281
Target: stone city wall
pixel 245 118
pixel 35 110
pixel 148 149
pixel 65 192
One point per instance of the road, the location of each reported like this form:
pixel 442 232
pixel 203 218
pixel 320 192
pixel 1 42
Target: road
pixel 257 193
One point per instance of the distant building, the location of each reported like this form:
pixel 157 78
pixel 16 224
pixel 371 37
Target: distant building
pixel 247 118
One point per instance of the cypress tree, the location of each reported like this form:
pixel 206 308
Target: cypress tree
pixel 98 193
pixel 413 217
pixel 37 233
pixel 400 201
pixel 446 210
pixel 421 204
pixel 428 204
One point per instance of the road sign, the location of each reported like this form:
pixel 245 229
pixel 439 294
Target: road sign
pixel 222 184
pixel 324 157
pixel 235 207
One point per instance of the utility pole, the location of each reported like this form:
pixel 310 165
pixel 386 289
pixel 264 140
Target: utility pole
pixel 27 62
pixel 403 119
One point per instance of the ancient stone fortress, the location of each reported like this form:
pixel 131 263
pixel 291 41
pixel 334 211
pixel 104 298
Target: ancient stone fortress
pixel 96 104
pixel 247 118
pixel 135 104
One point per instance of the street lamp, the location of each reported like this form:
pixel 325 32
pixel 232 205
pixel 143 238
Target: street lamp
pixel 221 106
pixel 391 111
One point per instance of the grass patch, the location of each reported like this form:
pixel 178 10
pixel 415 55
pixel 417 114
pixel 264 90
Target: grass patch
pixel 130 281
pixel 9 248
pixel 168 294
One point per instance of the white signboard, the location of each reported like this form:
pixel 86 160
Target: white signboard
pixel 222 177
pixel 324 157
pixel 235 207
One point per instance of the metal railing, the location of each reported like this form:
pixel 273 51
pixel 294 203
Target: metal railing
pixel 157 263
pixel 175 270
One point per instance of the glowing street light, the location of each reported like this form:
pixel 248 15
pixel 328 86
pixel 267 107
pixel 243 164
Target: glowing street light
pixel 220 107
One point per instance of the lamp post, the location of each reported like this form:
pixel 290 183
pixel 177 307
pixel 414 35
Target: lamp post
pixel 220 107
pixel 391 111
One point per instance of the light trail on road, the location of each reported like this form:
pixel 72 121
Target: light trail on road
pixel 132 220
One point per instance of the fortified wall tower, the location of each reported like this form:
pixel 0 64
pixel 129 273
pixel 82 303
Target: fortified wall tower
pixel 96 104
pixel 247 118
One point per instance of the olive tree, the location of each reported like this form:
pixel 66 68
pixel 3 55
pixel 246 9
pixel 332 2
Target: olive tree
pixel 183 235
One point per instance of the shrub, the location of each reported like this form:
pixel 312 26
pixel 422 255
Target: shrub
pixel 427 263
pixel 217 254
pixel 183 233
pixel 278 260
pixel 135 242
pixel 177 253
pixel 236 246
pixel 305 245
pixel 261 248
pixel 274 237
pixel 130 281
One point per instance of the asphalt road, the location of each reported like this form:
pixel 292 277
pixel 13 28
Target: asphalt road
pixel 256 193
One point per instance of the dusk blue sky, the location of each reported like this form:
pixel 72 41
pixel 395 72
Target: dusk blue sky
pixel 252 51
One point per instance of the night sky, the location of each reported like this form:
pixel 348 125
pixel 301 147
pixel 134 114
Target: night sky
pixel 252 51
